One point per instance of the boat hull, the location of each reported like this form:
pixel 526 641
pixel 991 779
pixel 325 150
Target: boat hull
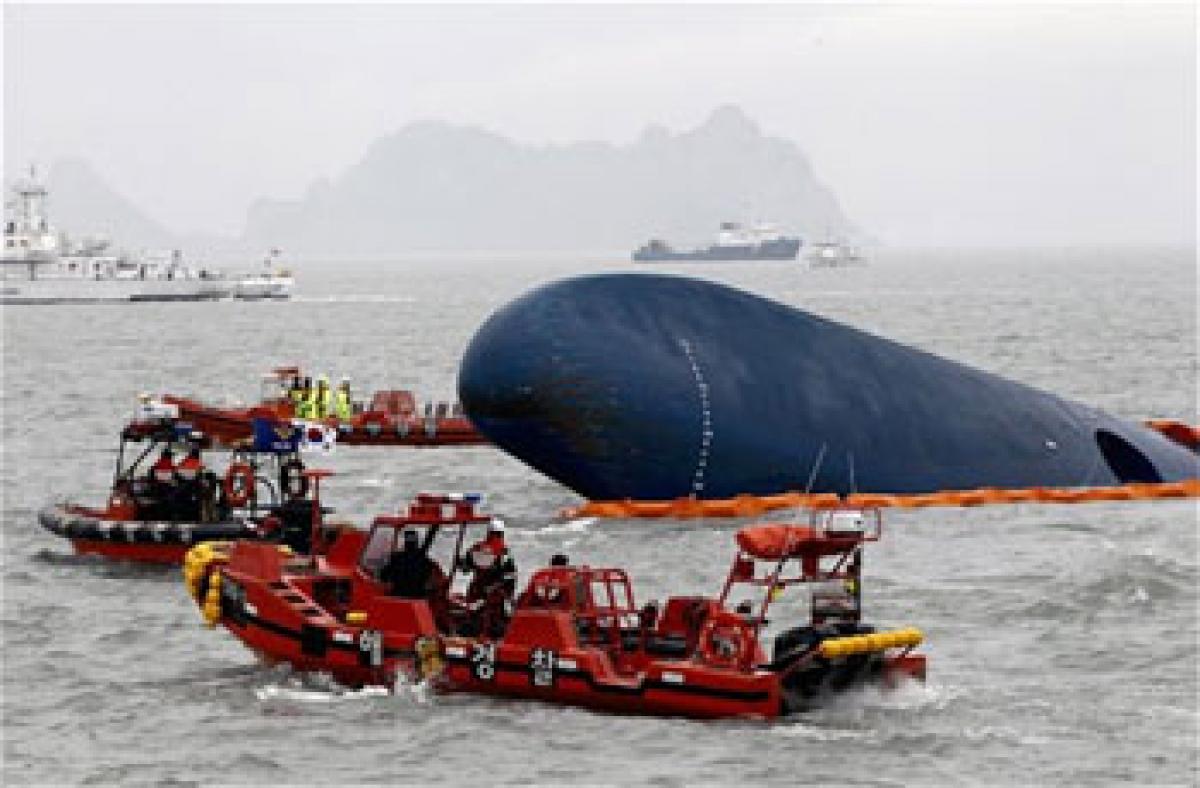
pixel 157 542
pixel 277 619
pixel 105 291
pixel 716 392
pixel 230 425
pixel 264 289
pixel 781 249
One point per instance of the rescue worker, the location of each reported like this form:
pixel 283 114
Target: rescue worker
pixel 409 572
pixel 343 407
pixel 162 485
pixel 295 393
pixel 553 595
pixel 189 468
pixel 305 406
pixel 320 400
pixel 494 582
pixel 188 491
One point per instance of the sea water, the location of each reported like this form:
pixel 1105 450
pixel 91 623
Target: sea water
pixel 1062 640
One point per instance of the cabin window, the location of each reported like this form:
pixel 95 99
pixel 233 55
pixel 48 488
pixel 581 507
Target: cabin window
pixel 602 595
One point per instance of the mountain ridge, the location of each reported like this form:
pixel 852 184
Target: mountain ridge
pixel 432 185
pixel 423 185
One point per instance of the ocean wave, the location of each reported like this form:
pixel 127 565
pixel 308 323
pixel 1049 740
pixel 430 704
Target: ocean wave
pixel 1120 581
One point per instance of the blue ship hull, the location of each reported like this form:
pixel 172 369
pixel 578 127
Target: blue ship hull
pixel 780 249
pixel 652 387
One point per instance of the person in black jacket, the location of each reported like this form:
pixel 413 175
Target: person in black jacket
pixel 409 572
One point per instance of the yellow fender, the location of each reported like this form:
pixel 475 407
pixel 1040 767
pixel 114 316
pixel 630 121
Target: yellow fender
pixel 834 648
pixel 212 602
pixel 199 563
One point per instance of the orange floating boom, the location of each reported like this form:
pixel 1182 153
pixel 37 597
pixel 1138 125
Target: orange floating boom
pixel 752 506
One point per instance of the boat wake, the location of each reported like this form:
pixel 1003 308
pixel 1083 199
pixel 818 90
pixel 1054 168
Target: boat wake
pixel 864 711
pixel 320 688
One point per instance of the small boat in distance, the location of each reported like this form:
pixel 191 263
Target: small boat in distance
pixel 735 242
pixel 272 283
pixel 832 253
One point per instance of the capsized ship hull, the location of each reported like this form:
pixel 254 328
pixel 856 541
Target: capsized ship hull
pixel 654 387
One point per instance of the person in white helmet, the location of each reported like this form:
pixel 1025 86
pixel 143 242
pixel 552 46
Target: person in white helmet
pixel 494 582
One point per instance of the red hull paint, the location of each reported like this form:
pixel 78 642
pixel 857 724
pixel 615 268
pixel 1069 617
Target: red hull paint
pixel 697 690
pixel 230 425
pixel 143 553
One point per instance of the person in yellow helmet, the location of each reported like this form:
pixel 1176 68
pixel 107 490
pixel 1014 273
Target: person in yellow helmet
pixel 321 402
pixel 303 400
pixel 343 406
pixel 295 390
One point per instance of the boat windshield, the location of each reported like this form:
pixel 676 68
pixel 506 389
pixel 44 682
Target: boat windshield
pixel 385 538
pixel 375 553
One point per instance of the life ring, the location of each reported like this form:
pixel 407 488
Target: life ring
pixel 726 641
pixel 239 484
pixel 292 480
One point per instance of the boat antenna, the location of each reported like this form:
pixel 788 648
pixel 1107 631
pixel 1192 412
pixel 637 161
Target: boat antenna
pixel 850 462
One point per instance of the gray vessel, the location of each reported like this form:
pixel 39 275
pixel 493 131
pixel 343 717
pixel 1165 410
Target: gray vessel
pixel 735 242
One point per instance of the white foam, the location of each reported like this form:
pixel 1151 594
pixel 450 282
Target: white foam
pixel 576 526
pixel 316 688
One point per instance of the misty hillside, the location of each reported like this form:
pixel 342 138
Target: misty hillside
pixel 433 185
pixel 84 205
pixel 436 186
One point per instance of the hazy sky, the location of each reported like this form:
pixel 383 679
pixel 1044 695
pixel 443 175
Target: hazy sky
pixel 934 124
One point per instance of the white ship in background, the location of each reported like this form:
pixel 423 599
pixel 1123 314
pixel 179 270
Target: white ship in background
pixel 274 282
pixel 42 265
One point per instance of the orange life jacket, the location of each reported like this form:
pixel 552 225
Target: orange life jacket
pixel 189 468
pixel 163 470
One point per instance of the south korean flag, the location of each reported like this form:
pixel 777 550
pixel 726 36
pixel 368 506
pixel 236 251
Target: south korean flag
pixel 316 437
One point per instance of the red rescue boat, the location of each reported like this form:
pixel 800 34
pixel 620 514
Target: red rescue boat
pixel 158 508
pixel 390 418
pixel 575 635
